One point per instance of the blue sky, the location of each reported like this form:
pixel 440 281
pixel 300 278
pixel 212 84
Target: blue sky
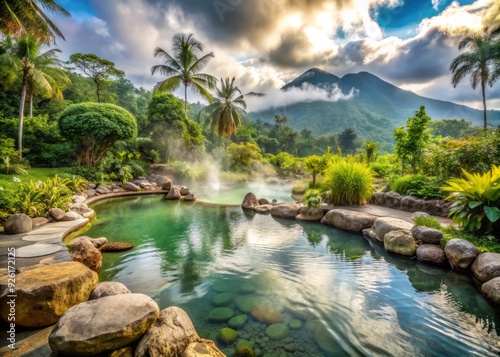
pixel 265 43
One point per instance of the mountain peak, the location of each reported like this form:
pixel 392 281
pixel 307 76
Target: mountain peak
pixel 314 76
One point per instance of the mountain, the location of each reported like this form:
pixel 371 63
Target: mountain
pixel 374 111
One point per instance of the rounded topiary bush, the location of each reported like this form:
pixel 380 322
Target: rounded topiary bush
pixel 348 183
pixel 96 127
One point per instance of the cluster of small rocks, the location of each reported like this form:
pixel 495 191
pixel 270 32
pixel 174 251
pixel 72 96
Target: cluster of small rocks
pixel 400 237
pixel 394 200
pixel 151 183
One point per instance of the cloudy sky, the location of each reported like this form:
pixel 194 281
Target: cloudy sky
pixel 266 43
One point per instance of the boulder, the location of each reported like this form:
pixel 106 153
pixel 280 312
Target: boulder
pixel 116 247
pixel 86 253
pixel 172 332
pixel 104 324
pixel 17 224
pixel 222 299
pixel 203 348
pixel 486 267
pixel 46 292
pixel 158 179
pixel 89 186
pixel 427 235
pixel 184 191
pixel 436 207
pixel 108 288
pixel 263 201
pixel 492 289
pixel 71 216
pixel 102 190
pixel 173 194
pixel 400 242
pixel 431 254
pixel 384 225
pixel 129 186
pixel 56 213
pixel 310 214
pixel 411 203
pixel 97 242
pixel 392 199
pixel 81 197
pixel 166 186
pixel 286 210
pixel 190 198
pixel 370 233
pixel 142 183
pixel 250 201
pixel 90 192
pixel 460 253
pixel 237 321
pixel 277 331
pixel 80 208
pixel 39 221
pixel 263 208
pixel 267 314
pixel 220 314
pixel 378 198
pixel 227 335
pixel 349 220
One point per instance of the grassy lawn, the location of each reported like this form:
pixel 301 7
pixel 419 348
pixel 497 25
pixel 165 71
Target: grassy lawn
pixel 35 174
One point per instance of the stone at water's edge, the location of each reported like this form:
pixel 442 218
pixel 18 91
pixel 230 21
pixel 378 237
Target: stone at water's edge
pixel 45 293
pixel 349 220
pixel 104 324
pixel 17 224
pixel 486 267
pixel 400 242
pixel 56 213
pixel 116 247
pixel 431 254
pixel 263 208
pixel 97 242
pixel 384 225
pixel 108 288
pixel 173 194
pixel 39 221
pixel 250 201
pixel 492 290
pixel 86 253
pixel 71 216
pixel 460 253
pixel 427 235
pixel 286 210
pixel 129 186
pixel 170 335
pixel 190 198
pixel 310 214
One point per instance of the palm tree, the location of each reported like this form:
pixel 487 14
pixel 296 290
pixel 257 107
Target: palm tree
pixel 19 17
pixel 184 67
pixel 20 59
pixel 478 62
pixel 226 109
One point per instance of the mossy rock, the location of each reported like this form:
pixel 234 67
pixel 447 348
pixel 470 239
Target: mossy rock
pixel 220 286
pixel 246 351
pixel 227 335
pixel 278 331
pixel 238 321
pixel 244 343
pixel 245 303
pixel 222 299
pixel 220 314
pixel 295 324
pixel 228 352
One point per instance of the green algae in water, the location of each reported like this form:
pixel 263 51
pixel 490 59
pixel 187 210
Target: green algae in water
pixel 350 296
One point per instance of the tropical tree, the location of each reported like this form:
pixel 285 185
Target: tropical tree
pixel 18 17
pixel 183 67
pixel 315 165
pixel 479 62
pixel 20 60
pixel 100 70
pixel 226 109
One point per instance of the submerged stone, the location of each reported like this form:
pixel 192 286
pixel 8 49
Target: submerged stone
pixel 237 321
pixel 244 343
pixel 247 288
pixel 227 335
pixel 267 314
pixel 295 324
pixel 220 286
pixel 278 331
pixel 222 299
pixel 220 314
pixel 245 303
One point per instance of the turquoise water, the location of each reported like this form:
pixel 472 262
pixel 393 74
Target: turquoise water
pixel 351 297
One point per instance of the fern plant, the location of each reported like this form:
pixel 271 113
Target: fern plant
pixel 312 199
pixel 476 205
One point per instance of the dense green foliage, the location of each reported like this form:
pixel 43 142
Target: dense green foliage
pixel 95 128
pixel 348 183
pixel 242 157
pixel 418 185
pixel 314 165
pixel 476 201
pixel 427 221
pixel 312 198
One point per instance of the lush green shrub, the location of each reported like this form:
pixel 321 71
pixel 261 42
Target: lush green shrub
pixel 476 201
pixel 418 185
pixel 427 221
pixel 386 165
pixel 312 199
pixel 286 163
pixel 241 157
pixel 122 166
pixel 348 183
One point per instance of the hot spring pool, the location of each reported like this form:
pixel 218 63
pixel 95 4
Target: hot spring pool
pixel 350 296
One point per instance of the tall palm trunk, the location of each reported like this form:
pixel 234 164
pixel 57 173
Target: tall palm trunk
pixel 484 105
pixel 21 115
pixel 185 100
pixel 30 114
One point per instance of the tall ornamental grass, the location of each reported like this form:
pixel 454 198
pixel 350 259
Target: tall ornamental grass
pixel 348 183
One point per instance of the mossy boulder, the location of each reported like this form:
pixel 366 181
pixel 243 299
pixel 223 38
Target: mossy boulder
pixel 222 299
pixel 220 314
pixel 278 331
pixel 238 321
pixel 227 335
